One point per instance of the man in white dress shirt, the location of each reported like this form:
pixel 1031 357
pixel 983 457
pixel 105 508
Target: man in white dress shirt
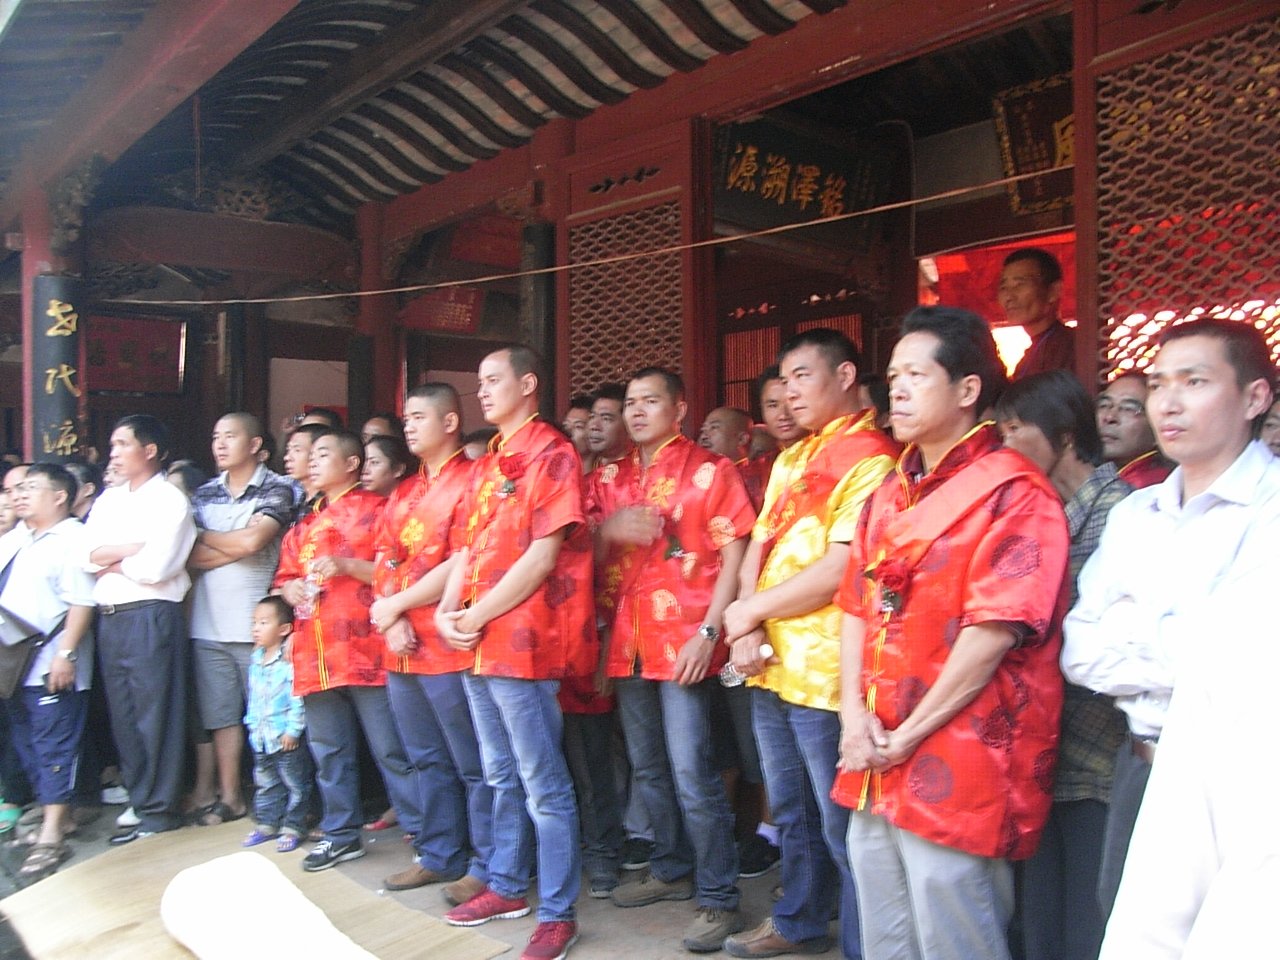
pixel 137 540
pixel 1204 865
pixel 1166 548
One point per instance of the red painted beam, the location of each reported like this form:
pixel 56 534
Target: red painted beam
pixel 179 46
pixel 220 242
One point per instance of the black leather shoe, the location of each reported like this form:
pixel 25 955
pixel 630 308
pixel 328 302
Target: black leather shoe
pixel 120 839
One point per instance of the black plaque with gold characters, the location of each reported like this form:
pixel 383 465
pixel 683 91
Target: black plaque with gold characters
pixel 56 385
pixel 1036 124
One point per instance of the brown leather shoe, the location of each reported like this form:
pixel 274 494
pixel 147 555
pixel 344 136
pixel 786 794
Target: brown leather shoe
pixel 462 890
pixel 766 941
pixel 412 878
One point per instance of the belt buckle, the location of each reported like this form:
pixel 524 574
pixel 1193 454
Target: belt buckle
pixel 107 609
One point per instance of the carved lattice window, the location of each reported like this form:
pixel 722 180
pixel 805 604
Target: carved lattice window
pixel 1189 192
pixel 625 315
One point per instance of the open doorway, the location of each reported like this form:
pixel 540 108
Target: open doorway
pixel 951 125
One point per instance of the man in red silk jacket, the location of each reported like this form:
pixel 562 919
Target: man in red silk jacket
pixel 950 687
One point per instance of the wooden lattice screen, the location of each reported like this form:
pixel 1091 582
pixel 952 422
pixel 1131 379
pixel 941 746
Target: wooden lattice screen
pixel 1188 179
pixel 625 315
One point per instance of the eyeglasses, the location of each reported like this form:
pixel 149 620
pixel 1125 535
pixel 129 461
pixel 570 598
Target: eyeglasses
pixel 1124 408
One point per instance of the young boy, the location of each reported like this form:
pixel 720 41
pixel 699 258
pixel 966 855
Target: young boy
pixel 281 771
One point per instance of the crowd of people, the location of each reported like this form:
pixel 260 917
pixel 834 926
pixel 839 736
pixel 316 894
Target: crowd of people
pixel 959 605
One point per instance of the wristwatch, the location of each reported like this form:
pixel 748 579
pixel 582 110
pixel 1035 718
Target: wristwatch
pixel 709 632
pixel 69 655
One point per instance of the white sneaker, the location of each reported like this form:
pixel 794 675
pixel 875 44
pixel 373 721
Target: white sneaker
pixel 127 819
pixel 116 796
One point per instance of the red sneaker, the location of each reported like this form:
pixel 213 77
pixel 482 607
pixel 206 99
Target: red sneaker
pixel 487 906
pixel 551 940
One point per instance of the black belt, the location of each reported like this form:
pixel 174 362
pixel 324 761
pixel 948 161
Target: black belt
pixel 107 609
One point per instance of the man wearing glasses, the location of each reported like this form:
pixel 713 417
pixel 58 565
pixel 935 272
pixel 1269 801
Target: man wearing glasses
pixel 1127 438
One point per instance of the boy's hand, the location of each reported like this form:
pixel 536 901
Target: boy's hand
pixel 288 742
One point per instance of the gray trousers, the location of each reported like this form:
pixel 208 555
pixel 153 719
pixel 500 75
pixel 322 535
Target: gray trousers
pixel 918 900
pixel 1127 788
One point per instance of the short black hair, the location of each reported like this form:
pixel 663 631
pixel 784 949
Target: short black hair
pixel 396 450
pixel 284 612
pixel 1243 343
pixel 332 416
pixel 85 473
pixel 482 435
pixel 312 430
pixel 965 348
pixel 524 360
pixel 268 444
pixel 251 422
pixel 147 430
pixel 768 374
pixel 671 382
pixel 393 421
pixel 349 443
pixel 443 396
pixel 1059 406
pixel 1046 262
pixel 192 476
pixel 611 391
pixel 832 344
pixel 581 401
pixel 878 388
pixel 59 478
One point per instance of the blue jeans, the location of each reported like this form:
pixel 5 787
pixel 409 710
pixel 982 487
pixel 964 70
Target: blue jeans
pixel 331 730
pixel 668 732
pixel 284 781
pixel 434 720
pixel 520 730
pixel 799 747
pixel 588 748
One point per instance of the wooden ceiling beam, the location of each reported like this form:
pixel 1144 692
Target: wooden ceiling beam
pixel 400 51
pixel 211 241
pixel 168 57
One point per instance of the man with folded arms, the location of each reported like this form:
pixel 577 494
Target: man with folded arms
pixel 137 541
pixel 1167 547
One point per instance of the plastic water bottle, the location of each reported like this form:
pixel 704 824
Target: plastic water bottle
pixel 731 676
pixel 306 610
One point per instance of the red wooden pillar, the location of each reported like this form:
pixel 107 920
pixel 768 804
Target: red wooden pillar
pixel 377 316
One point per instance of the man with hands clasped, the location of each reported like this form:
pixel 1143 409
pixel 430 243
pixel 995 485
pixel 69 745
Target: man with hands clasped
pixel 670 520
pixel 519 596
pixel 799 550
pixel 415 535
pixel 950 688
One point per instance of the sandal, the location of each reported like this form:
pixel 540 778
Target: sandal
pixel 9 817
pixel 287 842
pixel 220 810
pixel 256 837
pixel 43 859
pixel 29 835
